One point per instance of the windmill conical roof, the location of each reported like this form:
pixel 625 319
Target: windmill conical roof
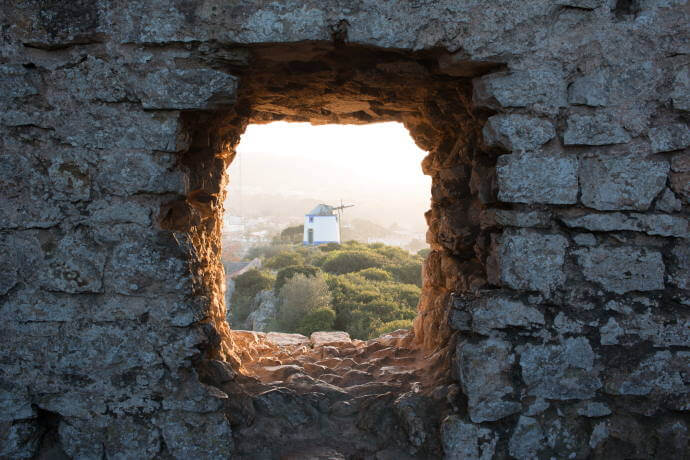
pixel 321 210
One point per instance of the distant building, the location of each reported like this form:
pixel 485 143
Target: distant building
pixel 321 226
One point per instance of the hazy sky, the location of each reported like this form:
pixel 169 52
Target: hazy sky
pixel 376 167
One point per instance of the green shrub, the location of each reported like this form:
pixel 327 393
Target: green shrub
pixel 292 235
pixel 284 259
pixel 423 253
pixel 405 294
pixel 321 319
pixel 286 273
pixel 247 285
pixel 266 252
pixel 375 274
pixel 409 272
pixel 299 296
pixel 348 261
pixel 328 247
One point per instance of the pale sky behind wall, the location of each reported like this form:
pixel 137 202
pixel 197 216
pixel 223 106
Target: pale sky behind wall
pixel 377 167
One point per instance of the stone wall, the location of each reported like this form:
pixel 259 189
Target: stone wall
pixel 558 147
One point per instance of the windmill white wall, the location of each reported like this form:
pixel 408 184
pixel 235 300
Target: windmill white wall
pixel 320 228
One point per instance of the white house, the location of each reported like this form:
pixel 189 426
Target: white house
pixel 321 226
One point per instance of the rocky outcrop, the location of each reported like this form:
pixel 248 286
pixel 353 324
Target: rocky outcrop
pixel 264 309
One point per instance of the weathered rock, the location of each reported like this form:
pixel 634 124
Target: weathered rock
pixel 512 218
pixel 188 89
pixel 323 338
pixel 681 89
pixel 264 309
pixel 652 224
pixel 527 439
pixel 532 261
pixel 659 373
pixel 282 338
pixel 189 435
pixel 669 137
pixel 411 408
pixel 680 183
pixel 585 239
pixel 679 273
pixel 133 172
pixel 563 371
pixel 593 409
pixel 591 89
pixel 466 441
pixel 20 439
pixel 76 264
pixel 494 312
pixel 668 202
pixel 541 88
pixel 517 132
pixel 621 183
pixel 127 437
pixel 598 129
pixel 484 370
pixel 15 403
pixel 537 178
pixel 622 269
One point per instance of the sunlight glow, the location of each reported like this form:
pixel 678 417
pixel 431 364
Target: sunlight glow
pixel 377 167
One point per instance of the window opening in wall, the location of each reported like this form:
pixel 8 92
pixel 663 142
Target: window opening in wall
pixel 324 230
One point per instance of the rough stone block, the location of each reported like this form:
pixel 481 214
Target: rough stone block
pixel 488 313
pixel 611 184
pixel 652 224
pixel 669 137
pixel 661 372
pixel 121 126
pixel 188 89
pixel 15 403
pixel 680 183
pixel 591 90
pixel 517 132
pixel 537 178
pixel 597 129
pixel 622 269
pixel 131 172
pixel 527 439
pixel 531 260
pixel 15 82
pixel 75 265
pixel 466 441
pixel 668 202
pixel 152 265
pixel 83 438
pixel 514 218
pixel 593 409
pixel 680 95
pixel 130 437
pixel 20 439
pixel 484 371
pixel 679 272
pixel 542 89
pixel 562 371
pixel 115 211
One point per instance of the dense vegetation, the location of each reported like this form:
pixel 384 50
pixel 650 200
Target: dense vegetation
pixel 366 290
